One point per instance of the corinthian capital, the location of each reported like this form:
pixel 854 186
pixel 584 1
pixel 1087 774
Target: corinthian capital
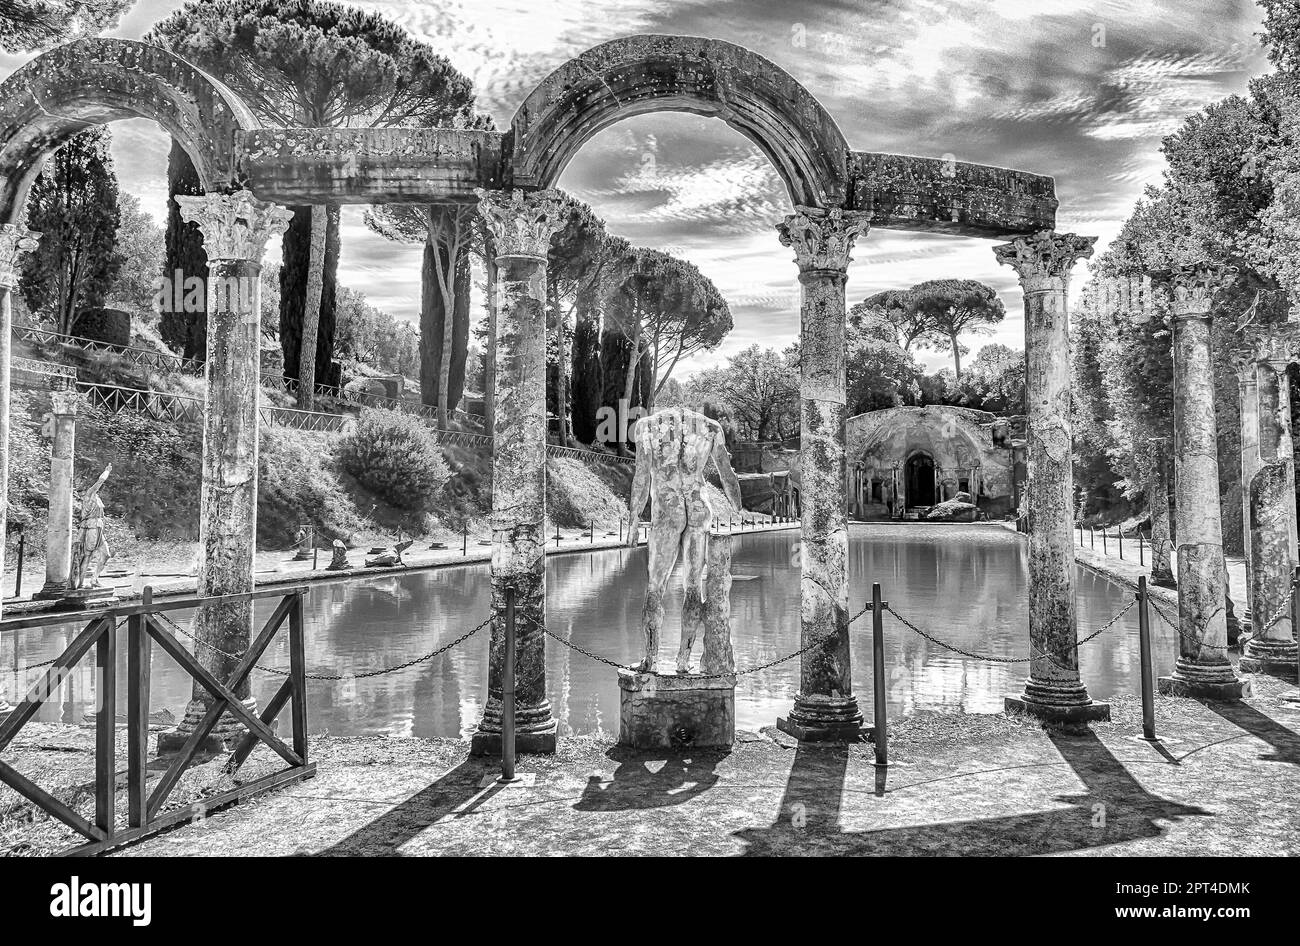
pixel 235 226
pixel 14 240
pixel 1193 286
pixel 1043 260
pixel 521 223
pixel 822 239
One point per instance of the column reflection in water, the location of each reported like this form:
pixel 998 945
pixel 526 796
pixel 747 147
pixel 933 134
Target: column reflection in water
pixel 963 583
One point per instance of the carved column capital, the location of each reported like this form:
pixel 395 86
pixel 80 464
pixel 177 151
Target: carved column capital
pixel 1193 286
pixel 822 239
pixel 14 241
pixel 521 222
pixel 1043 260
pixel 235 226
pixel 63 403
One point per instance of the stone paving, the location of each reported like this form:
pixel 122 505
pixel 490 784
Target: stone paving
pixel 1224 782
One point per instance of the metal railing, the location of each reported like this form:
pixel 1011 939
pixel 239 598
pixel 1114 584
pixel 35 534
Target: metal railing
pixel 146 625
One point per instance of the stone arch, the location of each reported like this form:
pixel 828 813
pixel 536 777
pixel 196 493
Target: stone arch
pixel 640 74
pixel 95 81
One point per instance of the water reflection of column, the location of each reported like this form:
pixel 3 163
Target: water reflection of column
pixel 14 240
pixel 236 229
pixel 521 226
pixel 1202 668
pixel 825 707
pixel 1054 689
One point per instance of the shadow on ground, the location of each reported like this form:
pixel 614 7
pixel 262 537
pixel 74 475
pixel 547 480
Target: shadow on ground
pixel 1113 808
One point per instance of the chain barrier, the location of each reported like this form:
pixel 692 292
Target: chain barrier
pixel 1242 640
pixel 991 658
pixel 811 645
pixel 329 676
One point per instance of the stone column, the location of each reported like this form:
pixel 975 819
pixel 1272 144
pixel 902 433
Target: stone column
pixel 1162 571
pixel 1202 668
pixel 521 225
pixel 235 230
pixel 1248 398
pixel 1275 435
pixel 825 707
pixel 1054 689
pixel 14 240
pixel 58 531
pixel 1272 648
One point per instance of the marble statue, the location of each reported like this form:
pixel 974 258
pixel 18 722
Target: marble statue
pixel 673 449
pixel 388 558
pixel 339 561
pixel 92 551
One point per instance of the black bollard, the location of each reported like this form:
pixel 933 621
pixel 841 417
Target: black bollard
pixel 878 675
pixel 1144 650
pixel 22 553
pixel 1121 543
pixel 314 554
pixel 1141 553
pixel 464 539
pixel 557 534
pixel 1092 537
pixel 592 527
pixel 508 694
pixel 1103 541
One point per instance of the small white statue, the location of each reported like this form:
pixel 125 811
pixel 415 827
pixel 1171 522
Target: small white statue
pixel 92 552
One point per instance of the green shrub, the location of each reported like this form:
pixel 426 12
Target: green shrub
pixel 394 456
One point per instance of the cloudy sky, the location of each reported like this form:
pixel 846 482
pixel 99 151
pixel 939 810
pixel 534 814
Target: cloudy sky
pixel 1082 91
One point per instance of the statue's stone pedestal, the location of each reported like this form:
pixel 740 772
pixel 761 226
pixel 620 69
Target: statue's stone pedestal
pixel 84 599
pixel 224 737
pixel 676 711
pixel 1091 712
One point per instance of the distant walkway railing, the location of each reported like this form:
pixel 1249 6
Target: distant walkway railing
pixel 148 358
pixel 148 624
pixel 164 406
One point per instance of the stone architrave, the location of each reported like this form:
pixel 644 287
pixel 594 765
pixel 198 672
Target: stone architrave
pixel 58 530
pixel 520 226
pixel 1272 648
pixel 1202 668
pixel 1054 689
pixel 825 707
pixel 235 228
pixel 14 241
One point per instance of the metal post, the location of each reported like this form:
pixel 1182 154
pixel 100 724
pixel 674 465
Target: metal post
pixel 1103 541
pixel 1295 615
pixel 1121 543
pixel 557 535
pixel 1092 537
pixel 1141 554
pixel 137 713
pixel 464 539
pixel 22 551
pixel 508 694
pixel 592 532
pixel 1144 649
pixel 315 552
pixel 881 724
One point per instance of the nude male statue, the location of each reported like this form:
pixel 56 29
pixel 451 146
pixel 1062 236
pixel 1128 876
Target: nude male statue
pixel 673 448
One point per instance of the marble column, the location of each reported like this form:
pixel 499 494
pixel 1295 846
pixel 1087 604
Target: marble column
pixel 1054 690
pixel 1275 434
pixel 14 240
pixel 58 530
pixel 1248 399
pixel 520 225
pixel 1202 668
pixel 235 230
pixel 1272 648
pixel 825 707
pixel 1162 570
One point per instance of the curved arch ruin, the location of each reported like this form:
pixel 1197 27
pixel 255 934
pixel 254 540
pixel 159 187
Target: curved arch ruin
pixel 95 81
pixel 651 73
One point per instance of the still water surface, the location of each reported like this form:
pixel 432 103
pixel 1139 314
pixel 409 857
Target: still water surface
pixel 963 584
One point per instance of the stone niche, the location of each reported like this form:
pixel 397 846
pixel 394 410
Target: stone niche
pixel 676 711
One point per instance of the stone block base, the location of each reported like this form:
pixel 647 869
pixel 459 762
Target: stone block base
pixel 820 718
pixel 224 737
pixel 676 711
pixel 85 599
pixel 534 742
pixel 1180 686
pixel 1276 657
pixel 806 733
pixel 1090 712
pixel 1286 669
